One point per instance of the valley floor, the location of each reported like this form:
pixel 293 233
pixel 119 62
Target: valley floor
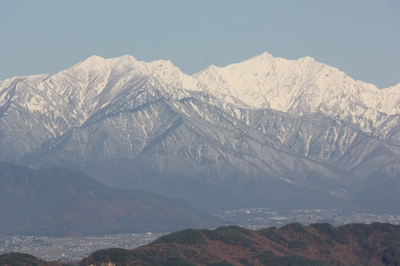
pixel 76 248
pixel 258 218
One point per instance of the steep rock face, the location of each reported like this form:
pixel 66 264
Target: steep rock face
pixel 267 131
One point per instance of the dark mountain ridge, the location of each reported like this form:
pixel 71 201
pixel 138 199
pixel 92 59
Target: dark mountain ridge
pixel 64 202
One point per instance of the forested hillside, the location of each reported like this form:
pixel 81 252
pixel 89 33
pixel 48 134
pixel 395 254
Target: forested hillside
pixel 293 244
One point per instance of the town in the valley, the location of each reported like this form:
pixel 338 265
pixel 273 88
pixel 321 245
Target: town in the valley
pixel 76 248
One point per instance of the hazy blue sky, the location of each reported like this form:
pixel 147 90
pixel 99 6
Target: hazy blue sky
pixel 361 38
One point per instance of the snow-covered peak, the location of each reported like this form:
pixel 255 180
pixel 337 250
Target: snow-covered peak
pixel 123 61
pixel 162 68
pixel 264 58
pixel 299 87
pixel 51 105
pixel 296 86
pixel 166 72
pixel 93 62
pixel 307 59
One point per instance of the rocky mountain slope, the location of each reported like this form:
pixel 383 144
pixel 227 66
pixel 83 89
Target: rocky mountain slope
pixel 266 131
pixel 293 244
pixel 63 202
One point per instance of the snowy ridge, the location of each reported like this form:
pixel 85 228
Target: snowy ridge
pixel 297 86
pixel 48 106
pixel 258 130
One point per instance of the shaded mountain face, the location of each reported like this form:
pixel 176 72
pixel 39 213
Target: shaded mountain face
pixel 293 244
pixel 15 258
pixel 263 132
pixel 65 202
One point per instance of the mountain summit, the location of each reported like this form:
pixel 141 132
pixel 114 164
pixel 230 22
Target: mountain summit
pixel 267 131
pixel 297 86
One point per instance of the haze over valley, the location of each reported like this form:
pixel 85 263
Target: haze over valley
pixel 121 146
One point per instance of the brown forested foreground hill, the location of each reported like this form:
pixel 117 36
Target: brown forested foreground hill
pixel 293 244
pixel 21 259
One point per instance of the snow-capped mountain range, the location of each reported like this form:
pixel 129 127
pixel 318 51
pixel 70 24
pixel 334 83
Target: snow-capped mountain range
pixel 266 131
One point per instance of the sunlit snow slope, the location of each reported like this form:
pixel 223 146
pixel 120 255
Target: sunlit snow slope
pixel 266 131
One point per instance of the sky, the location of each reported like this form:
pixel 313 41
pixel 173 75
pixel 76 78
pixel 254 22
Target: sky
pixel 361 38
